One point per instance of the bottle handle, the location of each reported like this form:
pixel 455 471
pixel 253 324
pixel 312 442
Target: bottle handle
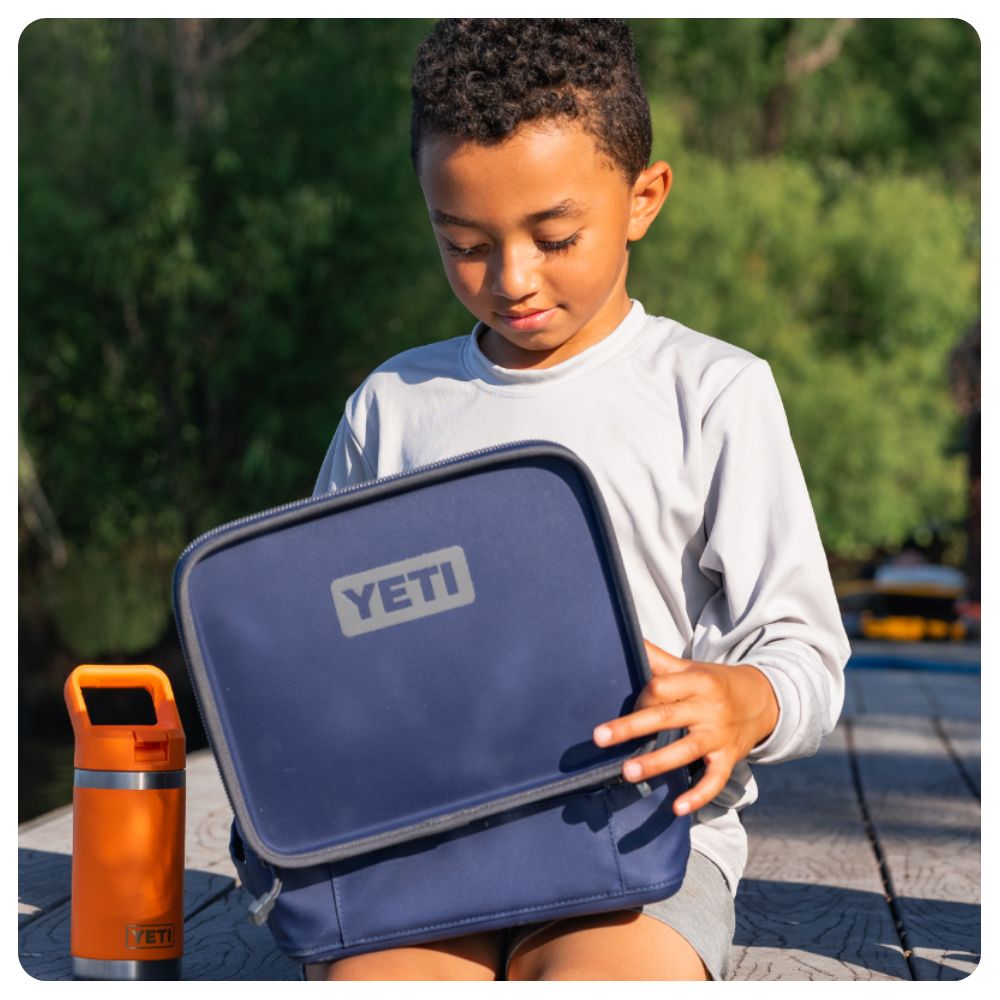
pixel 152 679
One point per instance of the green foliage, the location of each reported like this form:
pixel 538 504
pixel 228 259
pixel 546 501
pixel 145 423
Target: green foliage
pixel 221 234
pixel 902 271
pixel 111 599
pixel 901 94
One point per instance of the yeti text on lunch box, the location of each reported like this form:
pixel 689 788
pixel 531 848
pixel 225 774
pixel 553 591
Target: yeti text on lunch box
pixel 403 591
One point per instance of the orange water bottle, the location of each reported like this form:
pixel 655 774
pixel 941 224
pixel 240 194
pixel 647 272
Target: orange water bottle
pixel 127 910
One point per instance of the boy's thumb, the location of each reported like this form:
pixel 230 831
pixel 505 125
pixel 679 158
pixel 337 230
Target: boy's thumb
pixel 662 662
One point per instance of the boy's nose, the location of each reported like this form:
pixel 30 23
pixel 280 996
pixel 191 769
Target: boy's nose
pixel 514 273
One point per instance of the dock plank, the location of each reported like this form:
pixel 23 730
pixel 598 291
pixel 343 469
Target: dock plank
pixel 926 822
pixel 963 736
pixel 52 832
pixel 43 943
pixel 811 905
pixel 43 883
pixel 891 692
pixel 951 697
pixel 43 946
pixel 852 696
pixel 225 945
pixel 208 816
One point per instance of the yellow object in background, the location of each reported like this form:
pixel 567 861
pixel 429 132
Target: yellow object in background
pixel 903 610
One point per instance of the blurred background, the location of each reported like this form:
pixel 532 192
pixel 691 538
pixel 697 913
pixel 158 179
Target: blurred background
pixel 221 235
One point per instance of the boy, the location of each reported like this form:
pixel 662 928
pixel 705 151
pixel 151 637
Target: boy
pixel 531 142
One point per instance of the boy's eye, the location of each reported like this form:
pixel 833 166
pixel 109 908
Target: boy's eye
pixel 457 251
pixel 546 246
pixel 557 246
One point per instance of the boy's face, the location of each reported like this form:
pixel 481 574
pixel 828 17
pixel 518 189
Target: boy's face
pixel 533 235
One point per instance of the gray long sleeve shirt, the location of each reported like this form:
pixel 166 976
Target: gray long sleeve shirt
pixel 688 441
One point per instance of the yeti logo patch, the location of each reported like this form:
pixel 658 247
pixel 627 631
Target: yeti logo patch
pixel 402 591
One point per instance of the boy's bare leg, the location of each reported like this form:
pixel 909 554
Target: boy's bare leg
pixel 471 957
pixel 614 946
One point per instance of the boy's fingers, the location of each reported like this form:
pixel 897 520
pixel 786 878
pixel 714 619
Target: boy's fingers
pixel 677 754
pixel 662 662
pixel 711 783
pixel 650 718
pixel 667 689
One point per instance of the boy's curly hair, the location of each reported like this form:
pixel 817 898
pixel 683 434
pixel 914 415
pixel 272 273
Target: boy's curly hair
pixel 480 78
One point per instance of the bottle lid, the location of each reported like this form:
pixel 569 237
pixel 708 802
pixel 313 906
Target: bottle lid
pixel 157 747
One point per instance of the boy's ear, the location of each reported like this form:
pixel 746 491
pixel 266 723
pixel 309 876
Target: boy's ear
pixel 648 195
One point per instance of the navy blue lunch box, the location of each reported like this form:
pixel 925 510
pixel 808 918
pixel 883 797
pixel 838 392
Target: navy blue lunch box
pixel 399 681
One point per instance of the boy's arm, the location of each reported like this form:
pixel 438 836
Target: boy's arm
pixel 763 678
pixel 776 609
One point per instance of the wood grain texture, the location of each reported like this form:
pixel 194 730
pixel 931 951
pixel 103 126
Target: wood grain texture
pixel 208 816
pixel 43 883
pixel 926 822
pixel 890 692
pixel 43 943
pixel 852 704
pixel 43 946
pixel 52 832
pixel 952 697
pixel 225 945
pixel 811 905
pixel 963 736
pixel 914 692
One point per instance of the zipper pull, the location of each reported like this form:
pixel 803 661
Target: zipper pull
pixel 642 787
pixel 261 907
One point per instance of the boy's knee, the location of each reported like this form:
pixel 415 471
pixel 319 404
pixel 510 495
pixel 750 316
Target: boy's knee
pixel 472 957
pixel 611 947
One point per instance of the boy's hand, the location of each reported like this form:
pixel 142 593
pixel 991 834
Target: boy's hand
pixel 727 710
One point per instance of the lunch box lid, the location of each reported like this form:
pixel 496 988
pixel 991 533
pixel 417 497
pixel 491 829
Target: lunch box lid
pixel 406 656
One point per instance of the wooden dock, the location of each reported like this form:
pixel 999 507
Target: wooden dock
pixel 864 860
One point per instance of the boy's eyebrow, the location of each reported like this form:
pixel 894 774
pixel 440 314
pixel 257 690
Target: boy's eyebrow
pixel 565 209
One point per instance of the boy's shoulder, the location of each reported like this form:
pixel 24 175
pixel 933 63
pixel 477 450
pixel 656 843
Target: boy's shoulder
pixel 415 367
pixel 439 357
pixel 703 362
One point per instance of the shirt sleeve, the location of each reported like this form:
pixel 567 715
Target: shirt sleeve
pixel 345 463
pixel 775 607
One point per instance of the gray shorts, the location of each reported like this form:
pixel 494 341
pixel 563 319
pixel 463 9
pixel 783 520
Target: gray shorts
pixel 702 911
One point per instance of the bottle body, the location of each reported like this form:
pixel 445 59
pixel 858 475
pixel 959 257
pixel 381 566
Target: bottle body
pixel 127 904
pixel 127 914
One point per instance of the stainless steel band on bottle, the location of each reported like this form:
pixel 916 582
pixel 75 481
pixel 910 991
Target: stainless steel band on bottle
pixel 141 969
pixel 135 780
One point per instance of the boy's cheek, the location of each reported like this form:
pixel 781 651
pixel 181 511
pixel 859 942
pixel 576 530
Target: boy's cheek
pixel 466 283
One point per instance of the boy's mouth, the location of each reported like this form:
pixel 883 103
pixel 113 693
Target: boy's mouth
pixel 530 320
